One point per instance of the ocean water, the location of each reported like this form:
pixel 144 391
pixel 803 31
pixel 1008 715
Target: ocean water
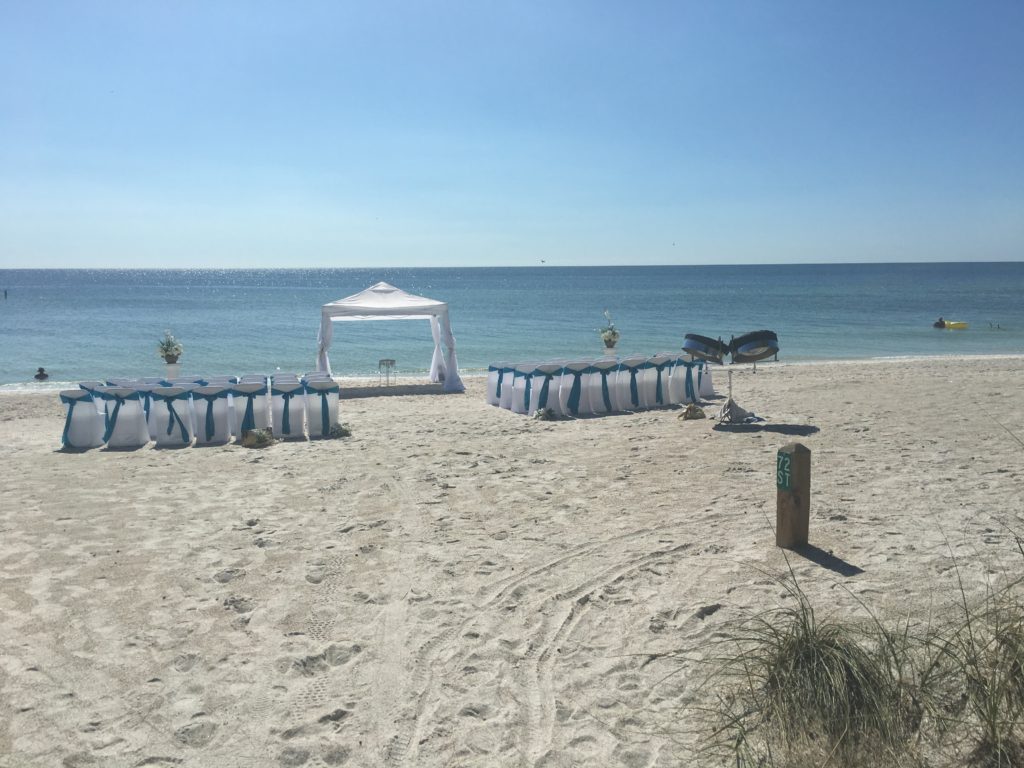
pixel 89 324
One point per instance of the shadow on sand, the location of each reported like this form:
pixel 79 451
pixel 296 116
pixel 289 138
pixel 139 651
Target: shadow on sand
pixel 798 430
pixel 827 560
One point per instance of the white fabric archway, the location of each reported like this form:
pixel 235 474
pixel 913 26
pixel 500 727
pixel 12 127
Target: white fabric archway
pixel 385 302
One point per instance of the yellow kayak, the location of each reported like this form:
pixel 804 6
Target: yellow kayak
pixel 955 325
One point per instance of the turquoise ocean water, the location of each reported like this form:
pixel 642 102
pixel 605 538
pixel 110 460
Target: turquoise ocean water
pixel 85 324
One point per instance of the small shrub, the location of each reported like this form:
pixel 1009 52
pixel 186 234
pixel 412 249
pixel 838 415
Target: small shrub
pixel 257 438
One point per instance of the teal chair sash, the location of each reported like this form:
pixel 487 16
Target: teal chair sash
pixel 659 397
pixel 249 418
pixel 691 393
pixel 286 395
pixel 172 415
pixel 210 399
pixel 634 392
pixel 110 419
pixel 576 389
pixel 325 411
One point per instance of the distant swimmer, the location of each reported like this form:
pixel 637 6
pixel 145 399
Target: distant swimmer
pixel 41 374
pixel 940 323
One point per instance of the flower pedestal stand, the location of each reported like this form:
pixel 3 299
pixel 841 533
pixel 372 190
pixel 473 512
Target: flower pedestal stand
pixel 172 369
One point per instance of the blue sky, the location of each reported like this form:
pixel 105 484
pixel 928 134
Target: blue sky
pixel 233 134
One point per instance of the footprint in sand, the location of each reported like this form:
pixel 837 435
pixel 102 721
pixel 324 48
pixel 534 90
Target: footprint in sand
pixel 228 574
pixel 238 604
pixel 333 655
pixel 196 734
pixel 185 662
pixel 316 572
pixel 292 756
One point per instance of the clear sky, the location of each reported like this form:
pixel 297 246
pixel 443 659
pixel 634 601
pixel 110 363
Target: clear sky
pixel 437 133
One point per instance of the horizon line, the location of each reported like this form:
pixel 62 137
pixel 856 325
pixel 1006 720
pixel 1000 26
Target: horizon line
pixel 508 266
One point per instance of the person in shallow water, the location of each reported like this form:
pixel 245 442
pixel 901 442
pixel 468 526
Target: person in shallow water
pixel 940 323
pixel 41 374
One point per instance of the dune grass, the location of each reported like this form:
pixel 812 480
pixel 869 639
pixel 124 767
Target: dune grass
pixel 798 689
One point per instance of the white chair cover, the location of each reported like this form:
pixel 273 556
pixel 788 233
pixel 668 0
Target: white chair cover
pixel 522 384
pixel 627 383
pixel 599 384
pixel 686 380
pixel 250 404
pixel 83 425
pixel 322 403
pixel 705 386
pixel 654 381
pixel 92 388
pixel 124 418
pixel 545 382
pixel 169 416
pixel 146 394
pixel 508 388
pixel 288 410
pixel 573 398
pixel 498 376
pixel 213 414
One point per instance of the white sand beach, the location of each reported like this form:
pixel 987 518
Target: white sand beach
pixel 457 585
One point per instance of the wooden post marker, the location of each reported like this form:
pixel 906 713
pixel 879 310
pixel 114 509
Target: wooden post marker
pixel 793 505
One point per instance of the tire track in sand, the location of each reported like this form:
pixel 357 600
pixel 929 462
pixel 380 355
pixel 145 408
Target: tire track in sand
pixel 403 746
pixel 540 659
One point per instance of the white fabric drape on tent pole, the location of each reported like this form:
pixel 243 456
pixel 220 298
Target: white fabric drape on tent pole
pixel 385 302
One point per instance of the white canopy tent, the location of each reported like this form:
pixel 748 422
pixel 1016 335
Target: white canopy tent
pixel 385 302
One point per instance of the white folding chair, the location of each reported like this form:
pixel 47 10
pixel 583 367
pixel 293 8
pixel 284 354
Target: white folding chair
pixel 251 407
pixel 573 398
pixel 627 383
pixel 213 416
pixel 654 380
pixel 169 416
pixel 704 384
pixel 124 418
pixel 83 425
pixel 93 387
pixel 495 379
pixel 322 403
pixel 522 385
pixel 288 410
pixel 686 380
pixel 507 388
pixel 547 378
pixel 599 384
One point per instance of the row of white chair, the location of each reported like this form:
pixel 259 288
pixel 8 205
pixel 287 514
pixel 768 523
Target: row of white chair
pixel 602 385
pixel 129 417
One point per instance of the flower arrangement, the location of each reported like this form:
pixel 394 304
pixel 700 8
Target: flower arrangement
pixel 169 348
pixel 609 333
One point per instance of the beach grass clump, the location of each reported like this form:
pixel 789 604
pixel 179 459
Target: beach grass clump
pixel 257 438
pixel 982 656
pixel 340 430
pixel 807 689
pixel 797 689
